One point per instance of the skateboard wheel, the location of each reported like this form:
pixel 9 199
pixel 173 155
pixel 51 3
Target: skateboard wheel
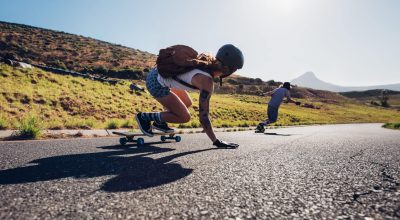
pixel 163 138
pixel 140 141
pixel 123 141
pixel 178 138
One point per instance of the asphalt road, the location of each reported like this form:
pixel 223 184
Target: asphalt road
pixel 334 171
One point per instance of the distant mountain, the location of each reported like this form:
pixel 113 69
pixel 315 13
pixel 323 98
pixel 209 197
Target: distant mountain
pixel 309 80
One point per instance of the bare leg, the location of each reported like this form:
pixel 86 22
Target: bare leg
pixel 183 96
pixel 177 110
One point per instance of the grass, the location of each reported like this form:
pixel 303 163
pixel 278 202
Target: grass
pixel 30 128
pixel 3 123
pixel 395 125
pixel 70 51
pixel 113 124
pixel 76 103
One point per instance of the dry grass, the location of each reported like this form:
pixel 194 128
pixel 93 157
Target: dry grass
pixel 68 51
pixel 72 102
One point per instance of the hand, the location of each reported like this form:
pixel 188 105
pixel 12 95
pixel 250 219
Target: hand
pixel 297 103
pixel 223 144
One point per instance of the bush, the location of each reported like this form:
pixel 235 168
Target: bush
pixel 244 124
pixel 30 128
pixel 195 124
pixel 3 123
pixel 127 124
pixel 392 125
pixel 113 124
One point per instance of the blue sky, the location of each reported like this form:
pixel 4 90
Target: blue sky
pixel 347 42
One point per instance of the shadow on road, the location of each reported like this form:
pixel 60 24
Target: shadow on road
pixel 277 134
pixel 133 170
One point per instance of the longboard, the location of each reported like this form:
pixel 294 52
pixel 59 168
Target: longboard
pixel 130 137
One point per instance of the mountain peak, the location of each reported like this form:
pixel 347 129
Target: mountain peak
pixel 308 74
pixel 310 80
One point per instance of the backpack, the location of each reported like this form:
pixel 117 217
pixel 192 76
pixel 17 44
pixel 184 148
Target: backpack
pixel 176 60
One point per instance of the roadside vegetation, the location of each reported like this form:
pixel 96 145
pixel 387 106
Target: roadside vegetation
pixel 73 52
pixel 3 123
pixel 29 128
pixel 66 102
pixel 395 125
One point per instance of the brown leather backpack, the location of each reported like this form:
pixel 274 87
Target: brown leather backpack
pixel 177 59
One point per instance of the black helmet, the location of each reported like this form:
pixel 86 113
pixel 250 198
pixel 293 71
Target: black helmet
pixel 286 85
pixel 231 57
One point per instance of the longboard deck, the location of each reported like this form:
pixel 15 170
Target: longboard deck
pixel 133 134
pixel 130 137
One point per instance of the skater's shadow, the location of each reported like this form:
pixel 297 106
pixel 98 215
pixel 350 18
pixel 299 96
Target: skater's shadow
pixel 132 167
pixel 277 134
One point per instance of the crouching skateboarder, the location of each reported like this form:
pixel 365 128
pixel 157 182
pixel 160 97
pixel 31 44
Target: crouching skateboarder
pixel 181 69
pixel 277 96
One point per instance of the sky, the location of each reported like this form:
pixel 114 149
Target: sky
pixel 346 42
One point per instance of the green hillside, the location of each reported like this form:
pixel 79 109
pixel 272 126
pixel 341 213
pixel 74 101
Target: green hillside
pixel 73 102
pixel 68 51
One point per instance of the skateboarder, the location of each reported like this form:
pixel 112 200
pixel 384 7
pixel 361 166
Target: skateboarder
pixel 277 96
pixel 172 93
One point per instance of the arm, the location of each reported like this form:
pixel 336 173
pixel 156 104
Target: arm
pixel 290 100
pixel 204 109
pixel 206 86
pixel 269 93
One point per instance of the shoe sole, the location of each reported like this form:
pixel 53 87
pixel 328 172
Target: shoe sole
pixel 158 129
pixel 140 126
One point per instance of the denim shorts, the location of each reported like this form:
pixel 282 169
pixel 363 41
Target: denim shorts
pixel 154 87
pixel 272 114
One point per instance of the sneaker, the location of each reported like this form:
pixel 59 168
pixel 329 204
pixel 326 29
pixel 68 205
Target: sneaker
pixel 163 126
pixel 260 128
pixel 144 125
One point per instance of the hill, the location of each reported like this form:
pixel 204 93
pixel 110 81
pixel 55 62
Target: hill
pixel 375 97
pixel 82 54
pixel 68 51
pixel 368 93
pixel 310 80
pixel 63 101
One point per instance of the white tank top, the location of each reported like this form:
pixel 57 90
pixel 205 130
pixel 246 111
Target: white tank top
pixel 186 77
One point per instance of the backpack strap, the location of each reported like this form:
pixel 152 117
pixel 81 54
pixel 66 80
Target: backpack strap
pixel 184 83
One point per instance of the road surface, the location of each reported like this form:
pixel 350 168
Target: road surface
pixel 332 171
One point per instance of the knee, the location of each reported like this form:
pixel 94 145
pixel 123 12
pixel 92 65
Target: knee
pixel 188 103
pixel 185 117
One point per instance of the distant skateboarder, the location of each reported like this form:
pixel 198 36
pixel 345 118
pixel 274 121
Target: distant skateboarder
pixel 277 96
pixel 181 69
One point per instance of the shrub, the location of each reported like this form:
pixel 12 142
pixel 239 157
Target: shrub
pixel 244 124
pixel 89 123
pixel 127 124
pixel 3 123
pixel 30 128
pixel 392 125
pixel 112 124
pixel 195 124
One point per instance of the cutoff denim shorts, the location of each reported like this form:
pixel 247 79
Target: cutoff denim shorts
pixel 154 87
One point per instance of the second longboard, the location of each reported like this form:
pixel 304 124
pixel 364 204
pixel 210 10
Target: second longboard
pixel 130 137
